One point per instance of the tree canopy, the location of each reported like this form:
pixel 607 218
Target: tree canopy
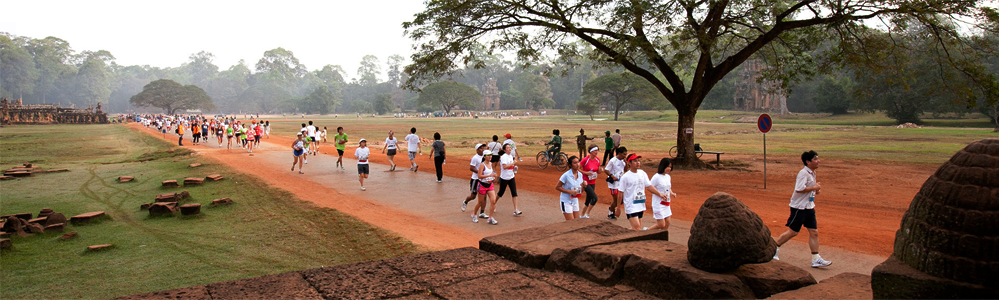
pixel 172 96
pixel 617 90
pixel 706 39
pixel 448 95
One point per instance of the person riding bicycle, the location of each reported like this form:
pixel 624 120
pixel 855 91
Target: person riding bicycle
pixel 556 143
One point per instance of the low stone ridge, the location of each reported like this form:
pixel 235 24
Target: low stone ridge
pixel 99 247
pixel 85 218
pixel 222 201
pixel 215 177
pixel 69 236
pixel 194 165
pixel 168 197
pixel 5 177
pixel 57 170
pixel 16 173
pixel 191 209
pixel 773 277
pixel 37 220
pixel 45 212
pixel 193 181
pixel 34 227
pixel 55 218
pixel 727 234
pixel 894 279
pixel 125 178
pixel 465 273
pixel 841 286
pixel 145 206
pixel 23 216
pixel 6 244
pixel 170 183
pixel 163 208
pixel 532 247
pixel 59 227
pixel 656 262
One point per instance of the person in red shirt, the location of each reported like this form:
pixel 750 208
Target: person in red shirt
pixel 590 166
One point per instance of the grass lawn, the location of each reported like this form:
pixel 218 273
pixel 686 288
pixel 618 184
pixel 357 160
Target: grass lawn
pixel 853 137
pixel 267 231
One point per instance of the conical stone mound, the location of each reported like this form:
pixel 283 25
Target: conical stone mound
pixel 727 234
pixel 949 232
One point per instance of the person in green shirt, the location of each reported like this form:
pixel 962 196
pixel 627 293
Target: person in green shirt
pixel 556 143
pixel 609 148
pixel 340 140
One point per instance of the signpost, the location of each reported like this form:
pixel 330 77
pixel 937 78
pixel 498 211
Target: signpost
pixel 764 125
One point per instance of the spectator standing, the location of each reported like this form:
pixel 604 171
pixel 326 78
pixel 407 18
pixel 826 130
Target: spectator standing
pixel 438 155
pixel 581 142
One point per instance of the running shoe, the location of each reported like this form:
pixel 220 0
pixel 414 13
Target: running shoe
pixel 362 188
pixel 491 221
pixel 585 217
pixel 300 172
pixel 305 161
pixel 483 215
pixel 775 254
pixel 415 168
pixel 439 180
pixel 518 212
pixel 645 228
pixel 474 219
pixel 611 216
pixel 820 262
pixel 464 204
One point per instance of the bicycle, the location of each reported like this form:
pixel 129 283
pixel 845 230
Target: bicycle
pixel 697 151
pixel 561 161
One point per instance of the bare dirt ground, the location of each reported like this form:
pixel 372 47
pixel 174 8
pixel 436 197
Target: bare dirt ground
pixel 859 209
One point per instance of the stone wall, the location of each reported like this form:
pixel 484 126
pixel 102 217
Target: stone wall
pixel 13 113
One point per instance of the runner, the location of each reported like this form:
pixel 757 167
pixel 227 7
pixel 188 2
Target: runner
pixel 474 183
pixel 258 133
pixel 590 166
pixel 219 132
pixel 180 134
pixel 633 186
pixel 486 189
pixel 508 167
pixel 311 133
pixel 361 154
pixel 267 128
pixel 570 186
pixel 341 141
pixel 496 149
pixel 438 156
pixel 513 146
pixel 661 206
pixel 251 138
pixel 322 135
pixel 615 169
pixel 413 147
pixel 229 135
pixel 297 147
pixel 390 150
pixel 204 131
pixel 195 133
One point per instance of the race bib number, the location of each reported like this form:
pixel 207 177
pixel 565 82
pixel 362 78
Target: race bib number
pixel 639 198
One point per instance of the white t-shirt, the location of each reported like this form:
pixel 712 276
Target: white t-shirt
pixel 513 147
pixel 494 147
pixel 571 183
pixel 505 173
pixel 362 155
pixel 616 167
pixel 805 178
pixel 390 143
pixel 661 182
pixel 412 142
pixel 633 188
pixel 311 130
pixel 476 160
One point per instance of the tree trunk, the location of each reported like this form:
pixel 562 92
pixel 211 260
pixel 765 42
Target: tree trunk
pixel 618 107
pixel 686 158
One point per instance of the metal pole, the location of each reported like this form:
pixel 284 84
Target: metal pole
pixel 765 161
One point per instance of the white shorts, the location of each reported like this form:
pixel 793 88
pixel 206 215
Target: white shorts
pixel 568 208
pixel 661 211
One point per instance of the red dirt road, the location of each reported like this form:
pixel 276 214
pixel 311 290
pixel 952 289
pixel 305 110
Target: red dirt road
pixel 859 209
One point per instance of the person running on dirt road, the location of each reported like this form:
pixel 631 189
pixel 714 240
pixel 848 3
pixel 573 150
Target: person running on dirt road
pixel 508 168
pixel 413 148
pixel 474 183
pixel 570 186
pixel 438 156
pixel 361 154
pixel 297 150
pixel 340 141
pixel 661 206
pixel 615 169
pixel 590 166
pixel 487 190
pixel 389 149
pixel 802 206
pixel 633 187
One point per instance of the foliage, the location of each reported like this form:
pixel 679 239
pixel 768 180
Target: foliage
pixel 171 96
pixel 263 97
pixel 535 91
pixel 321 101
pixel 281 65
pixel 18 74
pixel 587 108
pixel 383 103
pixel 617 90
pixel 834 94
pixel 361 106
pixel 707 39
pixel 448 95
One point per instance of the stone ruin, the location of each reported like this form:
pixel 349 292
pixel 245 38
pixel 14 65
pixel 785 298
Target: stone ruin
pixel 17 113
pixel 48 221
pixel 947 246
pixel 756 94
pixel 726 234
pixel 491 96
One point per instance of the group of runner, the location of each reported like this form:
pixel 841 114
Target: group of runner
pixel 309 138
pixel 483 185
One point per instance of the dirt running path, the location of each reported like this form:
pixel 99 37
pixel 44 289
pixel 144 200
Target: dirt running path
pixel 859 210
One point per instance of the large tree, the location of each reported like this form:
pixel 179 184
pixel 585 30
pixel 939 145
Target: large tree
pixel 617 90
pixel 448 95
pixel 707 39
pixel 172 96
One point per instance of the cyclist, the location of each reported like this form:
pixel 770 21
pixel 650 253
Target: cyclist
pixel 556 143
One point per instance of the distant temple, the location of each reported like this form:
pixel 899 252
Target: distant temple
pixel 762 96
pixel 18 113
pixel 491 96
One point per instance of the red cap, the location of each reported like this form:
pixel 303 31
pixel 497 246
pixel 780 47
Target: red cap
pixel 507 135
pixel 632 157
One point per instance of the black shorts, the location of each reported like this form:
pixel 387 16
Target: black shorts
pixel 362 169
pixel 256 137
pixel 801 217
pixel 507 183
pixel 474 186
pixel 494 158
pixel 634 215
pixel 340 152
pixel 390 152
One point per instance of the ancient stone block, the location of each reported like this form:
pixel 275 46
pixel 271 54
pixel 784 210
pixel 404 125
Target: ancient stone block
pixel 894 279
pixel 85 218
pixel 170 183
pixel 27 165
pixel 279 286
pixel 168 197
pixel 59 227
pixel 727 234
pixel 841 286
pixel 56 170
pixel 366 280
pixel 162 208
pixel 184 195
pixel 6 244
pixel 647 271
pixel 37 220
pixel 222 201
pixel 17 173
pixel 423 263
pixel 68 236
pixel 193 181
pixel 125 178
pixel 22 216
pixel 145 206
pixel 55 218
pixel 773 277
pixel 99 247
pixel 214 177
pixel 5 177
pixel 191 209
pixel 510 285
pixel 189 293
pixel 34 228
pixel 45 212
pixel 194 165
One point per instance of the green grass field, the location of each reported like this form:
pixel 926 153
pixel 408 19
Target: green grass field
pixel 852 137
pixel 267 231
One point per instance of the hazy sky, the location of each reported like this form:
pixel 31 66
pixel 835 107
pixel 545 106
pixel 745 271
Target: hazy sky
pixel 164 33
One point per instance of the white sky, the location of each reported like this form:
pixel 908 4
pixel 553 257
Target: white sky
pixel 164 34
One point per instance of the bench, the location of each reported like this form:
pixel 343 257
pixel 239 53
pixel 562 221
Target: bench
pixel 717 154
